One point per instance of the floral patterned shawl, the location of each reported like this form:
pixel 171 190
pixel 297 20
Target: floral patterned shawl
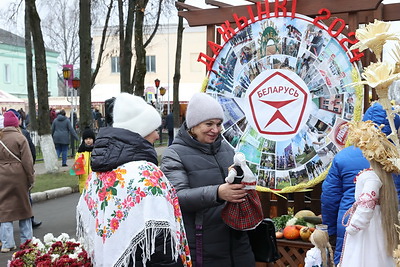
pixel 117 208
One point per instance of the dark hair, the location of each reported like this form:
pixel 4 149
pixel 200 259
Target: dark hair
pixel 62 112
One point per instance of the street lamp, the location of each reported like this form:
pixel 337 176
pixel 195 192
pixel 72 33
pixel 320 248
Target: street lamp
pixel 76 83
pixel 157 84
pixel 162 93
pixel 66 73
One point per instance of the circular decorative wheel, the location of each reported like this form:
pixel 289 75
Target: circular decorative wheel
pixel 282 84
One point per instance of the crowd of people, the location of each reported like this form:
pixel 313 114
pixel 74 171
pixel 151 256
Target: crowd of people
pixel 168 213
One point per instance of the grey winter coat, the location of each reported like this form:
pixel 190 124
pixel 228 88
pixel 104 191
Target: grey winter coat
pixel 197 170
pixel 61 130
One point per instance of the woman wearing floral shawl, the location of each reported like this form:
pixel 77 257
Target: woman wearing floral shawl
pixel 129 215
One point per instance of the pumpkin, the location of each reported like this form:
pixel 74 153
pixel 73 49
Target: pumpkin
pixel 305 233
pixel 304 213
pixel 291 232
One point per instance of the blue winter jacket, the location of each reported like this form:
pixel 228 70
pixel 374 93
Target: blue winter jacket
pixel 339 186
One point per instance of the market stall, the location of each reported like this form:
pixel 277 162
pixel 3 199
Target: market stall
pixel 288 84
pixel 8 101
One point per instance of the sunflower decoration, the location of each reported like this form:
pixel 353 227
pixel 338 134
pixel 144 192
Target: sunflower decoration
pixel 395 55
pixel 374 36
pixel 380 75
pixel 374 144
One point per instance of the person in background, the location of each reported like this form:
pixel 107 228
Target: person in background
pixel 61 130
pixel 32 148
pixel 129 214
pixel 338 187
pixel 53 115
pixel 98 118
pixel 17 177
pixel 85 151
pixel 169 125
pixel 196 164
pixel 22 118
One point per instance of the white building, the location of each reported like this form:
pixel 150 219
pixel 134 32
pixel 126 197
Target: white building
pixel 160 58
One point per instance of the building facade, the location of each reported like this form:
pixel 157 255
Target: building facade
pixel 13 66
pixel 160 61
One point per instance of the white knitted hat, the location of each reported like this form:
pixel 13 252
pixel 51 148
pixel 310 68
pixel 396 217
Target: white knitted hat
pixel 134 114
pixel 202 107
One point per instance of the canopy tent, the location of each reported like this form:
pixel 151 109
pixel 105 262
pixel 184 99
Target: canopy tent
pixel 8 101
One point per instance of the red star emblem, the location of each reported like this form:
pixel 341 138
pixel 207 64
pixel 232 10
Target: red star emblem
pixel 277 115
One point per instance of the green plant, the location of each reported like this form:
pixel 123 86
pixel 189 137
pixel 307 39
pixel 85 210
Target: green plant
pixel 280 222
pixel 49 181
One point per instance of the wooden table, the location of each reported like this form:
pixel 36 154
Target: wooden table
pixel 293 253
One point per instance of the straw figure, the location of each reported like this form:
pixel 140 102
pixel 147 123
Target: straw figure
pixel 321 254
pixel 371 236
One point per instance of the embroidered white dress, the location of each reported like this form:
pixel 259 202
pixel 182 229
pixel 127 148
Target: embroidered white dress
pixel 364 243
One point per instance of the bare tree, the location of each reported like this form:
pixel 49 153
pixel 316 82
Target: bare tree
pixel 85 38
pixel 61 27
pixel 135 21
pixel 29 73
pixel 46 141
pixel 104 36
pixel 177 75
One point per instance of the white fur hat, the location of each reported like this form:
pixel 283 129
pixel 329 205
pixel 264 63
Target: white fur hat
pixel 134 114
pixel 202 107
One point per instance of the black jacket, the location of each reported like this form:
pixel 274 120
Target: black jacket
pixel 31 145
pixel 116 146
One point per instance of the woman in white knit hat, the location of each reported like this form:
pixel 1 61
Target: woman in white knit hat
pixel 196 164
pixel 128 214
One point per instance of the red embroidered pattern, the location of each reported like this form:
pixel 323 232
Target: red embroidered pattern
pixel 368 200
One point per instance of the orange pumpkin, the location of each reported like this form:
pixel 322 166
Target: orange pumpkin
pixel 291 232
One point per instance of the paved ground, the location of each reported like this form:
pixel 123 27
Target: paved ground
pixel 57 216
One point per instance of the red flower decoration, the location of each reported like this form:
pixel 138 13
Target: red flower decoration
pixel 114 224
pixel 109 179
pixel 102 194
